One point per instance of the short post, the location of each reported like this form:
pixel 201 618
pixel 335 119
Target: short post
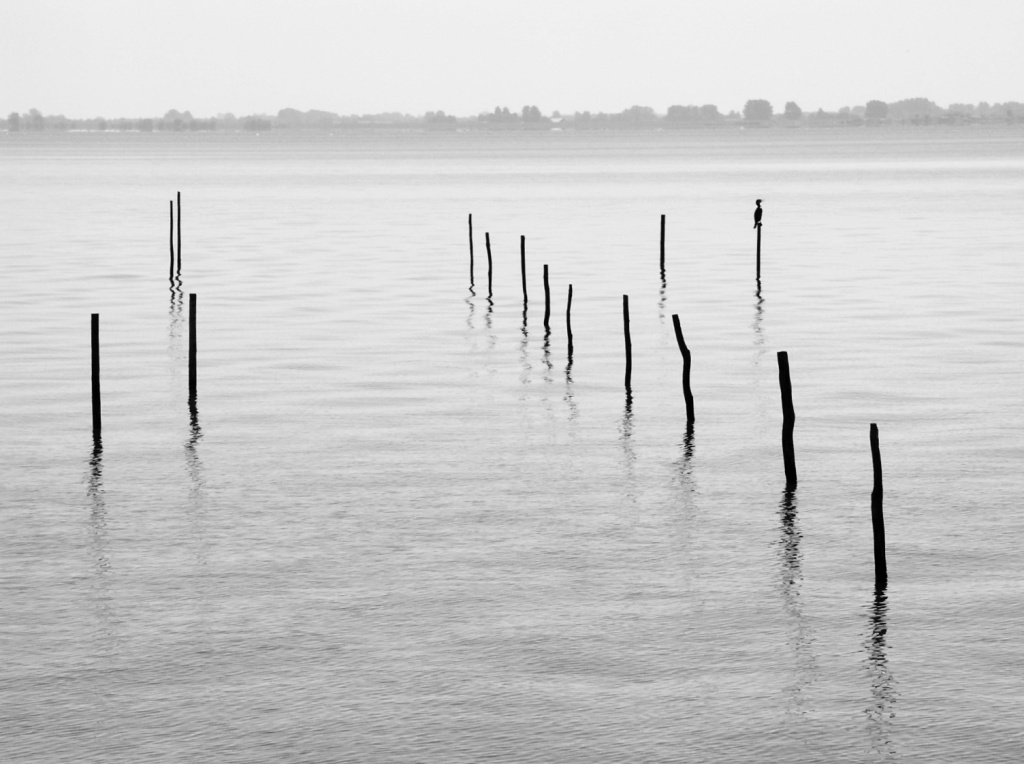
pixel 687 395
pixel 877 521
pixel 568 320
pixel 96 414
pixel 758 251
pixel 663 247
pixel 788 419
pixel 547 300
pixel 629 342
pixel 192 348
pixel 522 263
pixel 487 241
pixel 179 232
pixel 471 249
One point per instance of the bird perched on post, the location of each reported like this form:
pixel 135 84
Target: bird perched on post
pixel 757 214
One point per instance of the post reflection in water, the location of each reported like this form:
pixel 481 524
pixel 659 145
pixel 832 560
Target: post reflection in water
pixel 194 466
pixel 472 308
pixel 626 439
pixel 570 395
pixel 100 543
pixel 524 358
pixel 880 712
pixel 758 318
pixel 799 635
pixel 98 507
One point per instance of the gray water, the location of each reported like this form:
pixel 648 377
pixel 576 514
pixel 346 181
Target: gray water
pixel 401 527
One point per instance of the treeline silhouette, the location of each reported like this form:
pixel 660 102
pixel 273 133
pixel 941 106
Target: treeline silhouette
pixel 756 112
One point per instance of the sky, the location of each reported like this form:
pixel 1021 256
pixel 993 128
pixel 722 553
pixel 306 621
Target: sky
pixel 121 58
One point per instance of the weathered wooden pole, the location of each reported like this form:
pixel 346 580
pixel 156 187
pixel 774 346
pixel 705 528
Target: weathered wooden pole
pixel 758 251
pixel 97 418
pixel 522 263
pixel 487 241
pixel 663 247
pixel 471 249
pixel 568 320
pixel 629 342
pixel 179 232
pixel 877 520
pixel 547 301
pixel 788 419
pixel 171 202
pixel 687 395
pixel 192 348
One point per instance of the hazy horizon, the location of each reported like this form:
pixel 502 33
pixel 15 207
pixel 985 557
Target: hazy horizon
pixel 115 58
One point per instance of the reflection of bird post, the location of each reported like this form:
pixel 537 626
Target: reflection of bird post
pixel 757 224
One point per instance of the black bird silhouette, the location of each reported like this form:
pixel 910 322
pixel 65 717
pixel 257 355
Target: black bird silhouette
pixel 757 214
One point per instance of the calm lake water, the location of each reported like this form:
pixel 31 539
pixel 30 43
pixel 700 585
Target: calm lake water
pixel 401 527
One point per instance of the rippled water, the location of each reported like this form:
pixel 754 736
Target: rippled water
pixel 402 527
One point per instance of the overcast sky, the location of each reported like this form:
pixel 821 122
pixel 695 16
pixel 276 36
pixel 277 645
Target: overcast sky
pixel 88 58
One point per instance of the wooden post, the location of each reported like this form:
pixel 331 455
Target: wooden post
pixel 471 249
pixel 547 300
pixel 97 418
pixel 487 241
pixel 171 202
pixel 568 320
pixel 758 251
pixel 788 419
pixel 663 247
pixel 522 263
pixel 877 521
pixel 192 348
pixel 179 232
pixel 687 395
pixel 629 342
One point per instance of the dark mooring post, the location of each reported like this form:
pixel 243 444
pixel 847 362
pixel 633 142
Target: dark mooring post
pixel 179 232
pixel 171 237
pixel 687 395
pixel 471 249
pixel 877 521
pixel 568 320
pixel 96 414
pixel 547 300
pixel 759 252
pixel 522 263
pixel 487 241
pixel 788 419
pixel 663 247
pixel 192 348
pixel 629 342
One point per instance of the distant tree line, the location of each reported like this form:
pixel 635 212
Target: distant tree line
pixel 756 112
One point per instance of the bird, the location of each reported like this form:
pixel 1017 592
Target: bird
pixel 757 214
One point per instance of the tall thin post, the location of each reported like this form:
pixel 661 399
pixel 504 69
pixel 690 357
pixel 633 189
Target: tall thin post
pixel 179 232
pixel 487 241
pixel 877 521
pixel 788 419
pixel 663 247
pixel 522 263
pixel 687 395
pixel 97 417
pixel 629 342
pixel 471 249
pixel 547 300
pixel 759 252
pixel 568 320
pixel 192 348
pixel 171 237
